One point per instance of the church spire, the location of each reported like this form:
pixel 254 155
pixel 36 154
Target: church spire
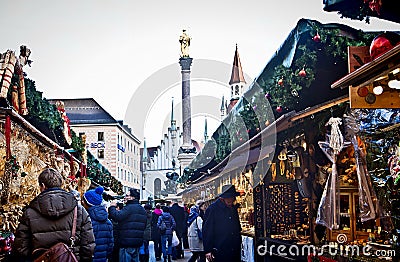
pixel 144 155
pixel 237 81
pixel 223 107
pixel 237 72
pixel 173 121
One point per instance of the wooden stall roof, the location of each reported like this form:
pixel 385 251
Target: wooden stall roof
pixel 368 73
pixel 15 117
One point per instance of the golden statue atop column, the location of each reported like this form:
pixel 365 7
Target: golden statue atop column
pixel 184 39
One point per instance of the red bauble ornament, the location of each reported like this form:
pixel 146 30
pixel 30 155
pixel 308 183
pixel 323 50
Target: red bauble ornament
pixel 279 109
pixel 302 73
pixel 316 38
pixel 280 82
pixel 383 43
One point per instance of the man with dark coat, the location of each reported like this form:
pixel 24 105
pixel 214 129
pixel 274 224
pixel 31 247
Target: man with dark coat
pixel 179 215
pixel 155 232
pixel 48 220
pixel 145 256
pixel 131 225
pixel 102 226
pixel 221 228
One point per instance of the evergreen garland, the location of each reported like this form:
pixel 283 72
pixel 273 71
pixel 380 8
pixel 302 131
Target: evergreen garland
pixel 284 89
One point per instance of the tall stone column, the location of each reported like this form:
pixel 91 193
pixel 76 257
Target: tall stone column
pixel 185 63
pixel 187 151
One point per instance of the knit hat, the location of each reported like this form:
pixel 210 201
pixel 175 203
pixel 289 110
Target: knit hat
pixel 94 196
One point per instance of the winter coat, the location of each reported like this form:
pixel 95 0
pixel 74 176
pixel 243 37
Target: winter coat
pixel 103 233
pixel 155 232
pixel 195 244
pixel 131 224
pixel 221 230
pixel 48 220
pixel 178 213
pixel 147 231
pixel 169 222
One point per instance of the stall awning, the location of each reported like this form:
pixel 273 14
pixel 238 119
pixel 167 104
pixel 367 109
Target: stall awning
pixel 372 71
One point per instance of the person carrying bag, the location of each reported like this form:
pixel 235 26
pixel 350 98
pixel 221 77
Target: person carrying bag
pixel 60 251
pixel 195 233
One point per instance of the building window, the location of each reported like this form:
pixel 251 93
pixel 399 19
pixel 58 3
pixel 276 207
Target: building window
pixel 157 188
pixel 100 153
pixel 236 90
pixel 100 136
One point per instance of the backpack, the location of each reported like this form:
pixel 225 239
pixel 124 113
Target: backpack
pixel 163 226
pixel 59 251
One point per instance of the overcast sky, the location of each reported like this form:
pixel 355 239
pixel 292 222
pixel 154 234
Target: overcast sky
pixel 107 49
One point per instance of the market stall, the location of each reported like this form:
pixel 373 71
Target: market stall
pixel 26 153
pixel 311 184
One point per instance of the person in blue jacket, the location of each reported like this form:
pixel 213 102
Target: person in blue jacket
pixel 102 226
pixel 132 221
pixel 166 233
pixel 221 228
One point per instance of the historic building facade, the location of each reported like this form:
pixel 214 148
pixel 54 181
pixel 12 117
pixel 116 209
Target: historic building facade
pixel 109 140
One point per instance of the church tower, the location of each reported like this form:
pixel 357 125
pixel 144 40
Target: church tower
pixel 237 82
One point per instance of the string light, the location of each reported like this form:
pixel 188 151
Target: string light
pixel 393 82
pixel 378 88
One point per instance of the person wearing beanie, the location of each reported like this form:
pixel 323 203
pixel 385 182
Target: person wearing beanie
pixel 166 233
pixel 132 221
pixel 102 226
pixel 155 232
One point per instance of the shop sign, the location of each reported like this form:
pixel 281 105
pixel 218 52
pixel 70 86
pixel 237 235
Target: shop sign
pixel 121 147
pixel 98 145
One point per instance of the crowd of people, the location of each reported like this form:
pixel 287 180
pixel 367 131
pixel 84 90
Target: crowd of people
pixel 123 231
